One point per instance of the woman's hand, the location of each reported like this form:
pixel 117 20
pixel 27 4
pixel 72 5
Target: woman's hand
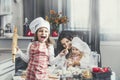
pixel 63 52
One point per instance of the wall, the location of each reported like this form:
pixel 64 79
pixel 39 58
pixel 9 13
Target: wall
pixel 17 15
pixel 110 53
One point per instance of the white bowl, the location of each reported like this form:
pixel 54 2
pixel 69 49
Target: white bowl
pixel 8 35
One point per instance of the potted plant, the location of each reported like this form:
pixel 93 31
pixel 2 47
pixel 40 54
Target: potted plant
pixel 55 19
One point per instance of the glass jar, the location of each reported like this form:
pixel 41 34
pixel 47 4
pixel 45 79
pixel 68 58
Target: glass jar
pixel 1 32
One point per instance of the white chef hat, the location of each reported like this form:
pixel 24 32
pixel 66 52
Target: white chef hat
pixel 80 45
pixel 38 23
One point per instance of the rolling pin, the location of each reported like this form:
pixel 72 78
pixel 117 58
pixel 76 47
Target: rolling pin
pixel 14 44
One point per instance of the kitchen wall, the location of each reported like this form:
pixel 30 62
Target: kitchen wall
pixel 17 15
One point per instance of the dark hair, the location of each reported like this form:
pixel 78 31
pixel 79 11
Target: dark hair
pixel 64 34
pixel 69 34
pixel 49 40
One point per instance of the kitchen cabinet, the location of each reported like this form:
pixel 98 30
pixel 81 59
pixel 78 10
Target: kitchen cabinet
pixel 7 69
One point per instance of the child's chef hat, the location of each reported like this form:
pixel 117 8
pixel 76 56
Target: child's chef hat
pixel 38 23
pixel 80 45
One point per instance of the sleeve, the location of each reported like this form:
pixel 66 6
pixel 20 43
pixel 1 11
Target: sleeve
pixel 54 60
pixel 85 61
pixel 24 56
pixel 94 59
pixel 86 48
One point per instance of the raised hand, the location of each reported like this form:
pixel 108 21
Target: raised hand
pixel 63 52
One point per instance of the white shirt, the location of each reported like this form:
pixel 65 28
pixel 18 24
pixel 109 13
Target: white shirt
pixel 53 60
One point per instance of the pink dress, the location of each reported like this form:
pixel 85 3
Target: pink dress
pixel 38 62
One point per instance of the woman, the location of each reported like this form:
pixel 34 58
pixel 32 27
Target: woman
pixel 64 41
pixel 64 46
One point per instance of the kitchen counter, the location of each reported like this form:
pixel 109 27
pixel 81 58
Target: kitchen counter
pixel 24 37
pixel 57 74
pixel 20 37
pixel 6 42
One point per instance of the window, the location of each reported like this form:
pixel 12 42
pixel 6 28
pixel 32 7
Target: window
pixel 79 14
pixel 109 19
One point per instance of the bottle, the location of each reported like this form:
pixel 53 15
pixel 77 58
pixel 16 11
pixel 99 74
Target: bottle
pixel 25 27
pixel 8 28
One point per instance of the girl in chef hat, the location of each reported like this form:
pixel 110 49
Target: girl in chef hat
pixel 40 52
pixel 79 55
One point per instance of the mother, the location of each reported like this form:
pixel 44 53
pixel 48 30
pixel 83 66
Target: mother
pixel 64 41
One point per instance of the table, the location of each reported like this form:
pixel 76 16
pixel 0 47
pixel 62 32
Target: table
pixel 18 76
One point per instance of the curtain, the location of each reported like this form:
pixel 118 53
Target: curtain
pixel 79 17
pixel 28 9
pixel 33 9
pixel 85 18
pixel 51 4
pixel 110 20
pixel 95 27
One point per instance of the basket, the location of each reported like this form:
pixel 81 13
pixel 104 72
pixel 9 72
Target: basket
pixel 102 75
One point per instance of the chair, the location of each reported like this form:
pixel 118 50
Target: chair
pixel 20 64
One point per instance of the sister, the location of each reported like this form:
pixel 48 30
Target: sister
pixel 40 52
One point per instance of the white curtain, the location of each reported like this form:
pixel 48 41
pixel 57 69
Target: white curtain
pixel 78 14
pixel 110 19
pixel 52 4
pixel 84 15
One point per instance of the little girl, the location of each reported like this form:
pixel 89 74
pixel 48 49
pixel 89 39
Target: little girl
pixel 79 55
pixel 40 52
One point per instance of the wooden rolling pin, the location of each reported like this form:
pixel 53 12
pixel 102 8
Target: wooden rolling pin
pixel 14 44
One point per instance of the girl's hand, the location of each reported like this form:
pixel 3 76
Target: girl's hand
pixel 76 63
pixel 63 52
pixel 69 62
pixel 17 48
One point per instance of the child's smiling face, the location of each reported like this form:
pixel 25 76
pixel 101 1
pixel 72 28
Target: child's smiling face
pixel 75 50
pixel 43 34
